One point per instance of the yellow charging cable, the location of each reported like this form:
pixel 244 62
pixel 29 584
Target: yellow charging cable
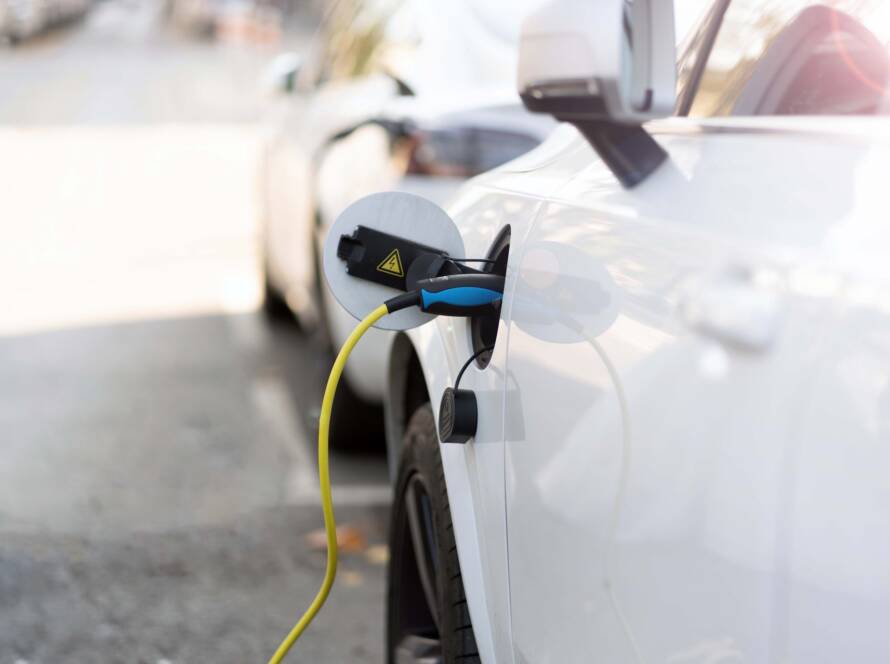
pixel 324 477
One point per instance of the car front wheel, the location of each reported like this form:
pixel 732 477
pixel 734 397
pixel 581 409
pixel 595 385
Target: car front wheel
pixel 428 621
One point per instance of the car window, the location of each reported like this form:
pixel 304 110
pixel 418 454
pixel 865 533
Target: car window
pixel 798 57
pixel 688 15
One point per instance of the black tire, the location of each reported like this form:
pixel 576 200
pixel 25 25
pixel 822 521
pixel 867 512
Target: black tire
pixel 274 305
pixel 426 621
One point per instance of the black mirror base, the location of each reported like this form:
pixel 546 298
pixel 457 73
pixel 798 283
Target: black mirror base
pixel 628 150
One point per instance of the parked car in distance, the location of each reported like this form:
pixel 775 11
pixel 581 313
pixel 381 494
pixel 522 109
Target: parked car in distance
pixel 682 442
pixel 406 95
pixel 243 21
pixel 62 11
pixel 21 19
pixel 197 16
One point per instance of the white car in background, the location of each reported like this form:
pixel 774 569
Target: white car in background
pixel 411 95
pixel 683 443
pixel 22 19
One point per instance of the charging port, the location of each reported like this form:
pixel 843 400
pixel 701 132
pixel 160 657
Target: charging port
pixel 484 329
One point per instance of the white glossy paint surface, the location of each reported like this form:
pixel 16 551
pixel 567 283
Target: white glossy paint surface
pixel 741 296
pixel 475 472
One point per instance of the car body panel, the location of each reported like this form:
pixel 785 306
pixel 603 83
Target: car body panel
pixel 681 509
pixel 728 527
pixel 475 472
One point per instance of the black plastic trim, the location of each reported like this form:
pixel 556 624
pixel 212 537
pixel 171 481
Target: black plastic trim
pixel 628 150
pixel 567 108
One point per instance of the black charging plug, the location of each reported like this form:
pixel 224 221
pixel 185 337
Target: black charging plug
pixel 393 261
pixel 387 259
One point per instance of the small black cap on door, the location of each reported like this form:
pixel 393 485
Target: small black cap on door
pixel 457 416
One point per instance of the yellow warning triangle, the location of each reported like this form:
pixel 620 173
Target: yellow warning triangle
pixel 392 264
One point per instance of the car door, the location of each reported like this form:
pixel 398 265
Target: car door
pixel 664 343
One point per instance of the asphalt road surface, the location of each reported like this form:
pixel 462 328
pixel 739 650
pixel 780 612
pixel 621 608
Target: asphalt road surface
pixel 157 480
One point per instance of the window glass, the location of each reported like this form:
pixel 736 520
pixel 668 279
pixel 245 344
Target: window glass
pixel 798 57
pixel 688 15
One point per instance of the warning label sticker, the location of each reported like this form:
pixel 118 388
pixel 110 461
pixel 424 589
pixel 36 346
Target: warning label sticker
pixel 392 264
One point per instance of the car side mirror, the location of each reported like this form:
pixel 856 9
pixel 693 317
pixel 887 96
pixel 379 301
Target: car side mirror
pixel 606 67
pixel 281 75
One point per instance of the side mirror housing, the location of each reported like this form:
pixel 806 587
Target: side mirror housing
pixel 606 67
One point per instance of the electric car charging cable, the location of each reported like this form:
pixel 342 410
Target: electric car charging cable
pixel 327 505
pixel 456 295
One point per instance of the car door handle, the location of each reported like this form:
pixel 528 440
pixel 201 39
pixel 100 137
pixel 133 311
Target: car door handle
pixel 733 309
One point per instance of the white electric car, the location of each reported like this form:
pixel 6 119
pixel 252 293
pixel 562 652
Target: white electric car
pixel 414 95
pixel 683 443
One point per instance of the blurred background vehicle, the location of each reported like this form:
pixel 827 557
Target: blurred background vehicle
pixel 199 16
pixel 392 95
pixel 246 21
pixel 21 19
pixel 61 11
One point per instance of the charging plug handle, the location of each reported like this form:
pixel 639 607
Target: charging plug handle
pixel 475 294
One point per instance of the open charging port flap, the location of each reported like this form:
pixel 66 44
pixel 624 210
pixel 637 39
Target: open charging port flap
pixel 484 329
